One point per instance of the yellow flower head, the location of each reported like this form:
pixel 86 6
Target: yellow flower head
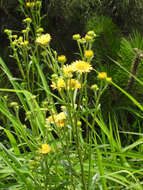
pixel 76 36
pixel 30 4
pixel 40 30
pixel 44 39
pixel 24 31
pixel 108 79
pixel 24 43
pixel 94 87
pixel 15 36
pixel 88 54
pixel 67 70
pixel 20 39
pixel 45 149
pixel 8 32
pixel 14 42
pixel 59 119
pixel 62 59
pixel 73 84
pixel 81 66
pixel 88 38
pixel 102 75
pixel 82 40
pixel 91 33
pixel 51 119
pixel 27 19
pixel 79 123
pixel 59 84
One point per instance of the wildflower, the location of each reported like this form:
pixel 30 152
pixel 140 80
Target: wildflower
pixel 30 4
pixel 59 84
pixel 102 75
pixel 25 43
pixel 76 36
pixel 82 40
pixel 45 149
pixel 108 79
pixel 51 119
pixel 7 31
pixel 40 30
pixel 88 54
pixel 27 19
pixel 88 38
pixel 91 33
pixel 15 36
pixel 20 39
pixel 44 39
pixel 14 43
pixel 73 84
pixel 24 31
pixel 59 119
pixel 67 70
pixel 62 59
pixel 54 76
pixel 79 123
pixel 52 111
pixel 94 87
pixel 81 66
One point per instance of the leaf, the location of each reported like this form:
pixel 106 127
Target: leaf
pixel 12 141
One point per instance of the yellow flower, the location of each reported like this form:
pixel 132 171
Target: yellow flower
pixel 15 36
pixel 76 36
pixel 30 4
pixel 108 79
pixel 24 31
pixel 82 40
pixel 20 39
pixel 59 84
pixel 102 75
pixel 7 31
pixel 88 54
pixel 14 42
pixel 94 87
pixel 81 66
pixel 25 43
pixel 79 123
pixel 73 84
pixel 67 70
pixel 40 30
pixel 88 38
pixel 59 119
pixel 27 19
pixel 45 149
pixel 91 33
pixel 62 59
pixel 44 39
pixel 51 119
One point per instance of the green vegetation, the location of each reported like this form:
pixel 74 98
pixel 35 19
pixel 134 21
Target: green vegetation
pixel 71 110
